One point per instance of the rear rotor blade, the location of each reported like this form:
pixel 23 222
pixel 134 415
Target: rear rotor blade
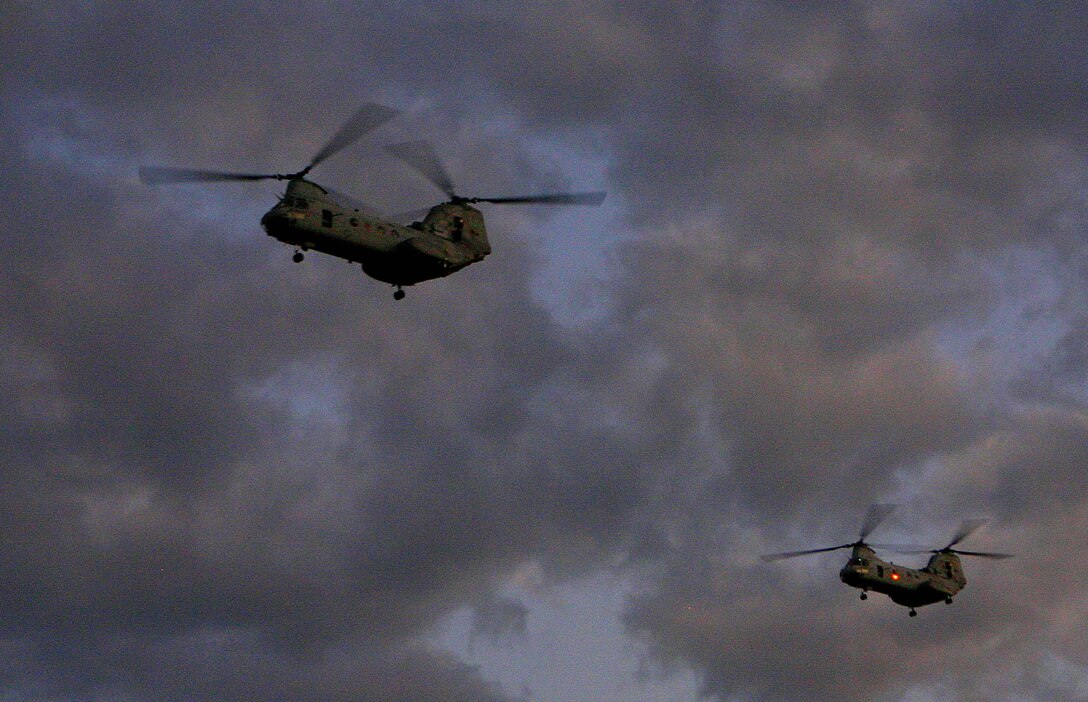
pixel 983 554
pixel 591 198
pixel 968 527
pixel 353 202
pixel 409 216
pixel 771 557
pixel 152 175
pixel 421 156
pixel 367 118
pixel 903 548
pixel 873 517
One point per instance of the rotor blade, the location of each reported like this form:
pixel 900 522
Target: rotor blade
pixel 367 118
pixel 421 156
pixel 968 527
pixel 592 199
pixel 353 202
pixel 771 557
pixel 873 517
pixel 410 215
pixel 983 554
pixel 903 548
pixel 153 175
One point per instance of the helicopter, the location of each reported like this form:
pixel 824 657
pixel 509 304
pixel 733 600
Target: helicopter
pixel 308 216
pixel 940 580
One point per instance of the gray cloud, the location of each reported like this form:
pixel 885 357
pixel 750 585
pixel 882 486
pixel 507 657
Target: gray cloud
pixel 230 477
pixel 497 618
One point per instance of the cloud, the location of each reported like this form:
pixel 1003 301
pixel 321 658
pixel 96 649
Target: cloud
pixel 229 476
pixel 497 618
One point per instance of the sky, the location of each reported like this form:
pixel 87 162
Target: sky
pixel 842 262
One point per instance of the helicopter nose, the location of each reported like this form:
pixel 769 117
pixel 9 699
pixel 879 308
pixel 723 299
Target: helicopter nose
pixel 272 220
pixel 275 223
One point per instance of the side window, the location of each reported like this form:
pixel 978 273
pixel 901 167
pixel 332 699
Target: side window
pixel 326 218
pixel 880 571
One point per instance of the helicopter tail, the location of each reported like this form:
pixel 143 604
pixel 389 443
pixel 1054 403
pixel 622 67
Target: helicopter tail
pixel 460 223
pixel 947 565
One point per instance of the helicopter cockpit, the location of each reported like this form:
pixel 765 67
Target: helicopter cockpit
pixel 299 203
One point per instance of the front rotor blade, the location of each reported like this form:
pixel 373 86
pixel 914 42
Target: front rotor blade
pixel 968 527
pixel 983 554
pixel 873 517
pixel 421 156
pixel 367 118
pixel 592 199
pixel 771 557
pixel 152 175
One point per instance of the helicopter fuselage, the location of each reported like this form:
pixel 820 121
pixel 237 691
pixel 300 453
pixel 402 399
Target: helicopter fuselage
pixel 309 217
pixel 939 581
pixel 450 237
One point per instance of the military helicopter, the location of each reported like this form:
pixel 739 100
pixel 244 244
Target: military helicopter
pixel 941 578
pixel 308 216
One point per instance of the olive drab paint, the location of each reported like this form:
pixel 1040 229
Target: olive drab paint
pixel 940 580
pixel 311 218
pixel 450 237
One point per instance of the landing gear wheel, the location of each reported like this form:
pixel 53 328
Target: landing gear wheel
pixel 298 257
pixel 864 595
pixel 398 295
pixel 913 613
pixel 948 600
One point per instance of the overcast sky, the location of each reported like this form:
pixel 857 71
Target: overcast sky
pixel 842 261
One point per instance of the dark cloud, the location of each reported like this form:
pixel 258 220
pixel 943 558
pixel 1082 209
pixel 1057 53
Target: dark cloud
pixel 226 476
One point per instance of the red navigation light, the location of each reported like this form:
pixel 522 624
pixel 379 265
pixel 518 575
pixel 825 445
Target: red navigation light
pixel 895 576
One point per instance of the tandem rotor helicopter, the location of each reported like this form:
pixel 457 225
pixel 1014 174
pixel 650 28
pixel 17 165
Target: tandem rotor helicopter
pixel 309 217
pixel 940 580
